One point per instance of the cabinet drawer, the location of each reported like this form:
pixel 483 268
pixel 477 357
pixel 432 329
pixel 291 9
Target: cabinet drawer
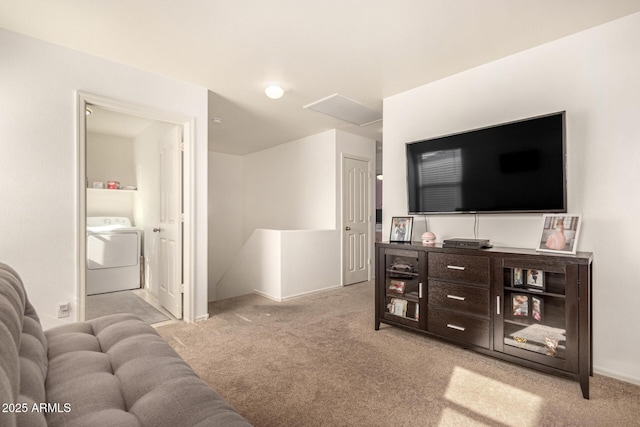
pixel 467 268
pixel 458 327
pixel 452 296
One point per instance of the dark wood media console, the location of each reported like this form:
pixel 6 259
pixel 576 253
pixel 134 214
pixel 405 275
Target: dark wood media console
pixel 519 305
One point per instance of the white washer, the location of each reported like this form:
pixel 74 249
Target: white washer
pixel 113 255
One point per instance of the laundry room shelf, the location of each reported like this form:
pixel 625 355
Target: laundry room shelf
pixel 110 190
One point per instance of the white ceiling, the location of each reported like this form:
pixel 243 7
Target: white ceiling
pixel 109 122
pixel 365 50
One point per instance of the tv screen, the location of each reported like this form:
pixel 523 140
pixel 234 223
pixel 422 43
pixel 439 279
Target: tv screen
pixel 512 167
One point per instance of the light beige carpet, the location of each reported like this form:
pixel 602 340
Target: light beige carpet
pixel 317 361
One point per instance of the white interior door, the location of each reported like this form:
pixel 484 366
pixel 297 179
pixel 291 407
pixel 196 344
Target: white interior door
pixel 170 227
pixel 356 220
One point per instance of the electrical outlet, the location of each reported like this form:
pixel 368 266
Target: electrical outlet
pixel 63 309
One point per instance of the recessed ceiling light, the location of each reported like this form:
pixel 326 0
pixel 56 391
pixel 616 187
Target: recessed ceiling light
pixel 274 91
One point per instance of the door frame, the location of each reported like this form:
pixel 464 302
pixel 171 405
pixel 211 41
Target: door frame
pixel 83 99
pixel 342 219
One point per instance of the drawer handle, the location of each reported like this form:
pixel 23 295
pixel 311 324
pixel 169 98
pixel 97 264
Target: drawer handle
pixel 455 267
pixel 457 328
pixel 455 297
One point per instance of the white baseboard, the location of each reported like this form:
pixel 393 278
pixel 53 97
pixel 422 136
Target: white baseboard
pixel 202 318
pixel 262 294
pixel 315 291
pixel 616 375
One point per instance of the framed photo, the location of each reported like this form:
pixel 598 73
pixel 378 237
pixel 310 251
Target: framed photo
pixel 401 227
pixel 396 287
pixel 535 279
pixel 520 305
pixel 518 277
pixel 559 233
pixel 397 307
pixel 536 308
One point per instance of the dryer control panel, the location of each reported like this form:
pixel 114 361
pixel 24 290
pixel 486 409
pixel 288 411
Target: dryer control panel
pixel 97 221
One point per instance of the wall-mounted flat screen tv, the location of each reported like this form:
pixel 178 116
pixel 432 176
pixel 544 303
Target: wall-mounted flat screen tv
pixel 511 167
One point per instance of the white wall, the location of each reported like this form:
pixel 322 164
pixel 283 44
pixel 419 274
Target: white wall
pixel 310 262
pixel 291 186
pixel 256 267
pixel 39 152
pixel 226 203
pixel 283 264
pixel 285 199
pixel 592 75
pixel 110 158
pixel 287 187
pixel 110 203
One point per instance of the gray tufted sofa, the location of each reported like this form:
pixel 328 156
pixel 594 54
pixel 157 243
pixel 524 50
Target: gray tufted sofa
pixel 111 371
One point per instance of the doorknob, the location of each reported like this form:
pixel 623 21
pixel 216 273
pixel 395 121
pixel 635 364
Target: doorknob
pixel 347 228
pixel 156 230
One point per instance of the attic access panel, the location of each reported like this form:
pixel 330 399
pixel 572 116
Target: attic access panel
pixel 345 109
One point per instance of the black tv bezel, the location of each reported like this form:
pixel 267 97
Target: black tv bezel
pixel 515 211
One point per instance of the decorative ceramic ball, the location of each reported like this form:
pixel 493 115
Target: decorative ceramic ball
pixel 429 238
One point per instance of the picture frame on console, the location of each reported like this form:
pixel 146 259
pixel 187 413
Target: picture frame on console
pixel 401 229
pixel 520 305
pixel 537 305
pixel 535 280
pixel 560 233
pixel 396 287
pixel 397 307
pixel 518 277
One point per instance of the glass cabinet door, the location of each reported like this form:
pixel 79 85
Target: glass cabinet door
pixel 403 287
pixel 537 323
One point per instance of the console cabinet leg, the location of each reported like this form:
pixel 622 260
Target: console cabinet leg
pixel 584 384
